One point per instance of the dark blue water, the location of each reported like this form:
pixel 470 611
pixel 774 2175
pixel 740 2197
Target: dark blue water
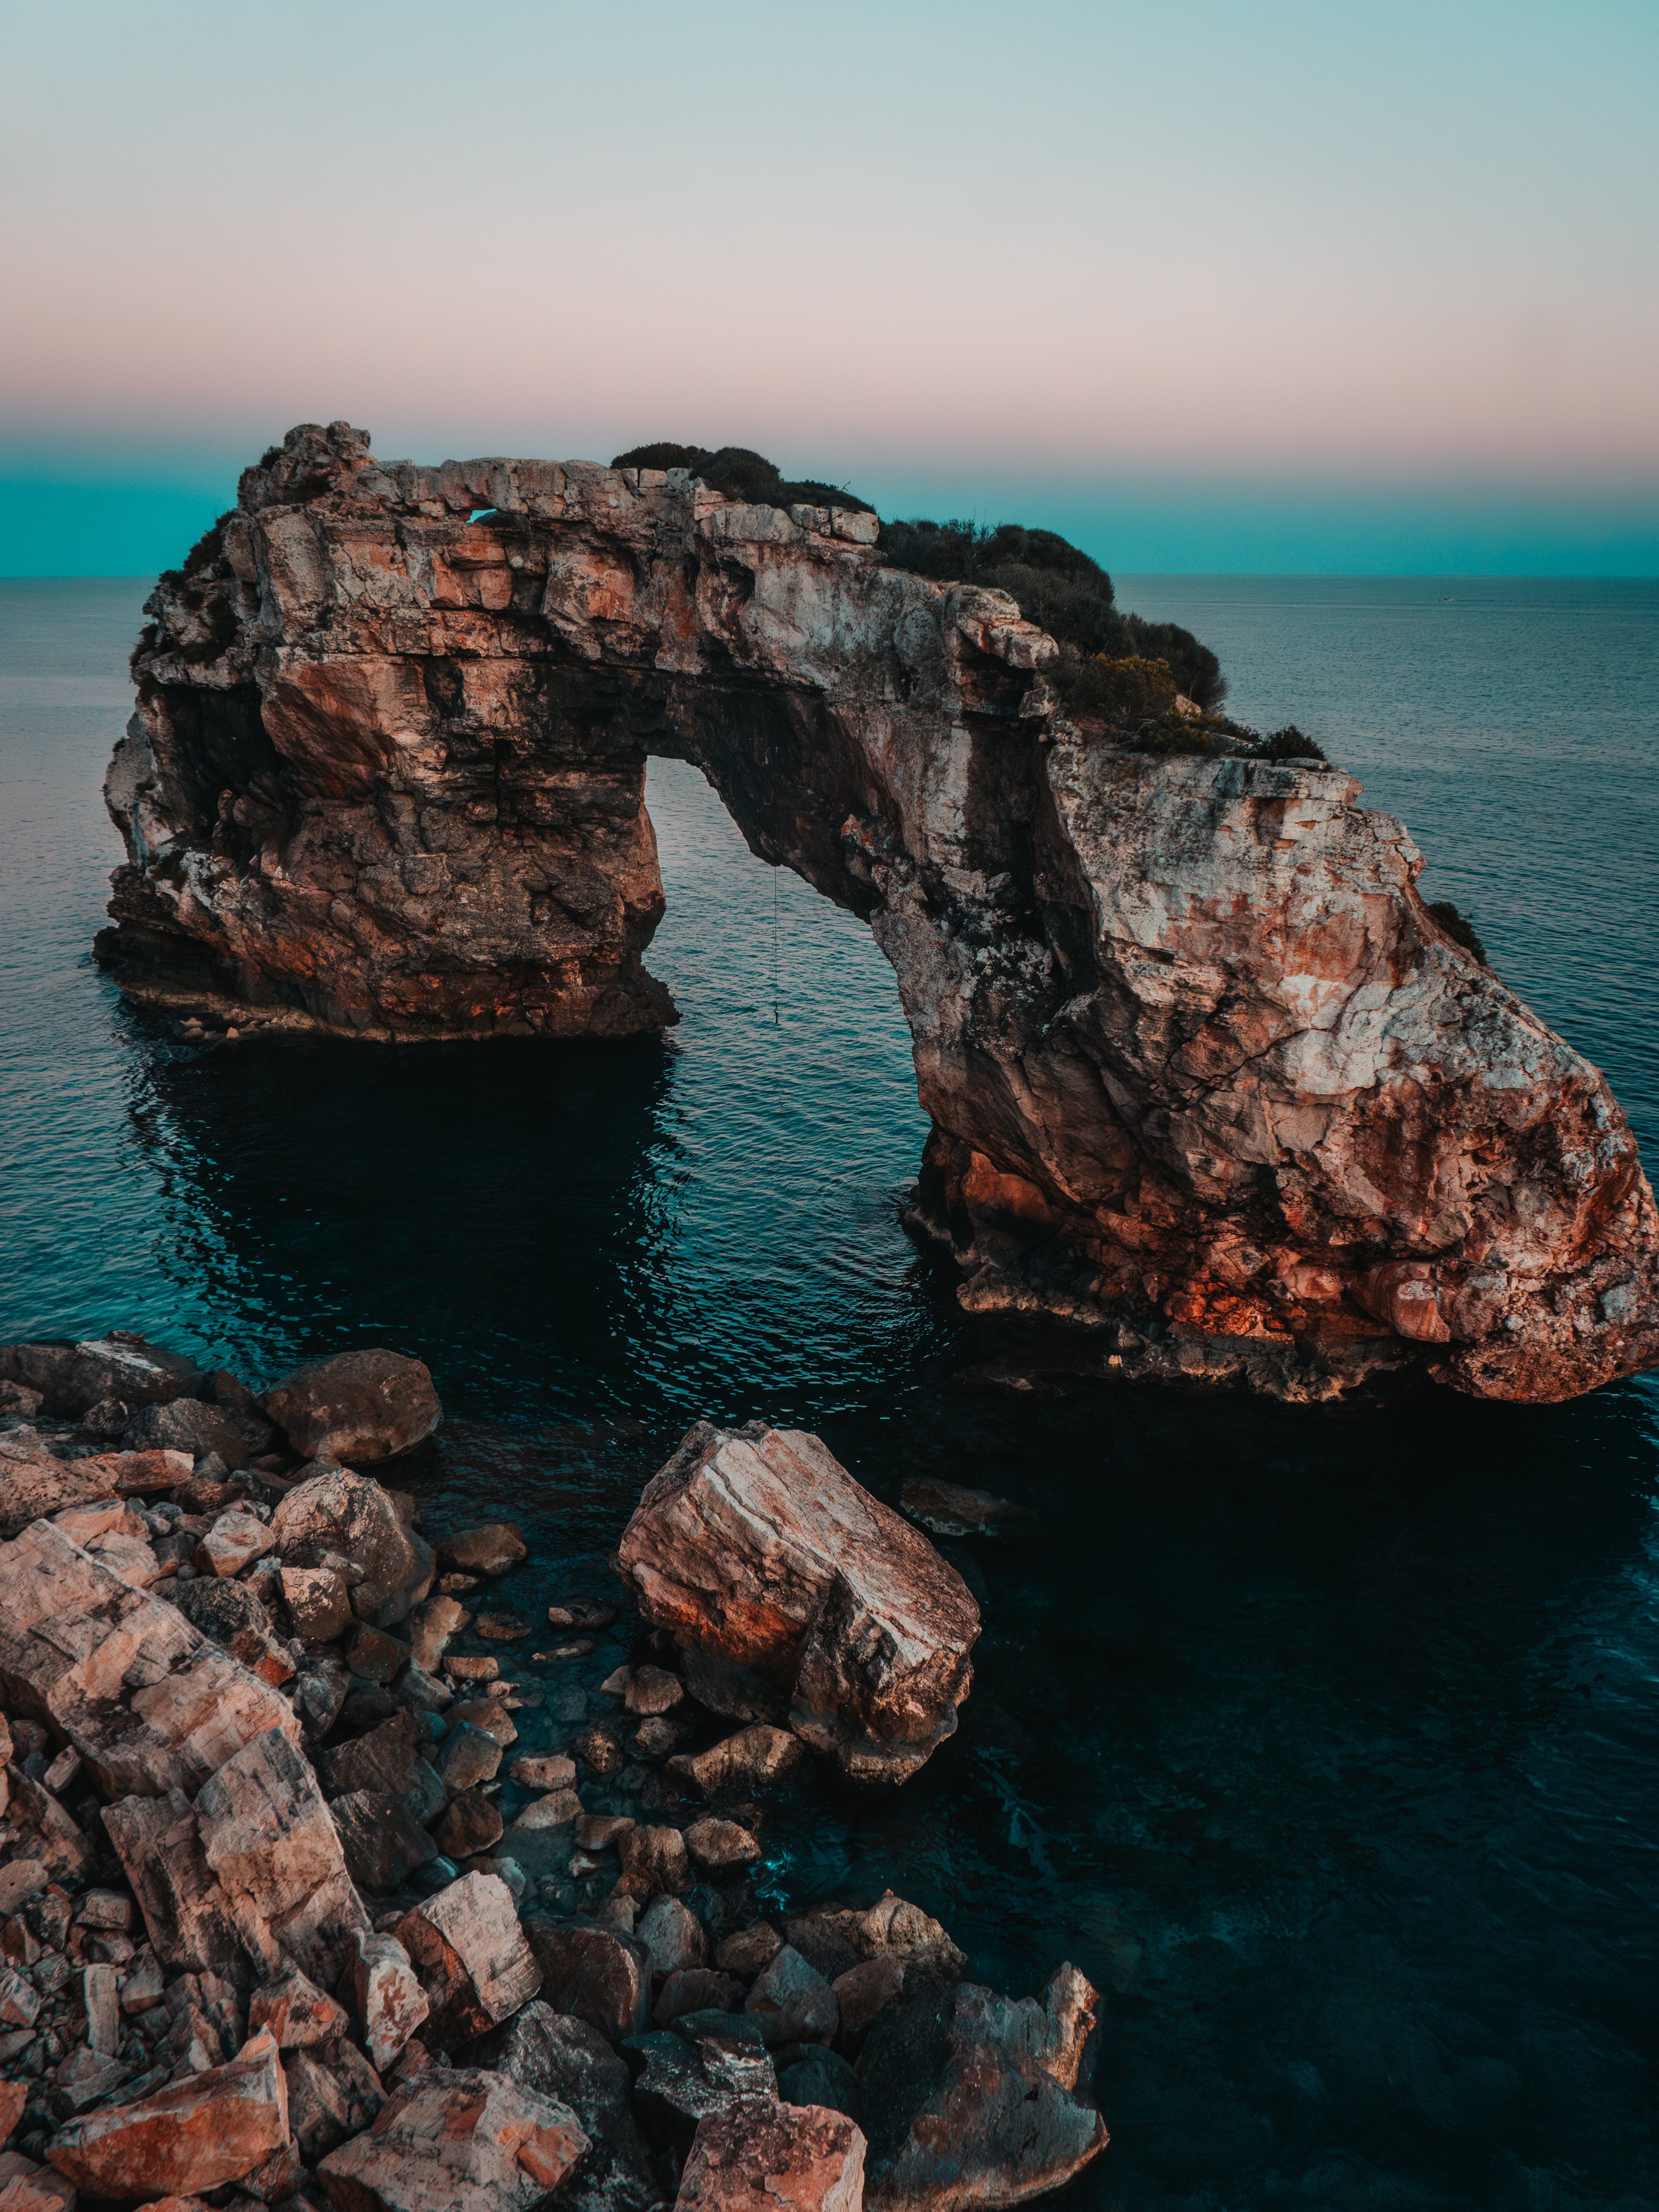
pixel 1326 1745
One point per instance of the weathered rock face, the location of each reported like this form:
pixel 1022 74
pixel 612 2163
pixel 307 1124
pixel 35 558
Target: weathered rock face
pixel 1205 1072
pixel 783 1579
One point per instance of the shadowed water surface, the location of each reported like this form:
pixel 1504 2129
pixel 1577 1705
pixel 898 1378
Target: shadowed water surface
pixel 1326 1745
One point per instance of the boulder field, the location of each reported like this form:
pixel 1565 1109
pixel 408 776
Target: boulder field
pixel 1209 1081
pixel 286 1920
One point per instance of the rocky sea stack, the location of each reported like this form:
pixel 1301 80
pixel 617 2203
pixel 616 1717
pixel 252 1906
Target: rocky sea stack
pixel 1209 1083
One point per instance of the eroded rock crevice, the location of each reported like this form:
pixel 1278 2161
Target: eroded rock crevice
pixel 1209 1081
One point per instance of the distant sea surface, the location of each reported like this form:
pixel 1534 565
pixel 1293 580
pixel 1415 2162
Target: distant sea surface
pixel 1326 1745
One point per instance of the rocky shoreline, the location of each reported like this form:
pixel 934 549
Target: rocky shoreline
pixel 306 1902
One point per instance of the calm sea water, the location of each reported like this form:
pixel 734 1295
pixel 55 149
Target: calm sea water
pixel 1325 1744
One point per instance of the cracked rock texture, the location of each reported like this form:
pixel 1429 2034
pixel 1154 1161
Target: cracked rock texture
pixel 1207 1079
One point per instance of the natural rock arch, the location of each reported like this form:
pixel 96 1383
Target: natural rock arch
pixel 1207 1079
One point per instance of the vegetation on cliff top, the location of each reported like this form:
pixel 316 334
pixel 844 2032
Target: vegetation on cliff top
pixel 741 474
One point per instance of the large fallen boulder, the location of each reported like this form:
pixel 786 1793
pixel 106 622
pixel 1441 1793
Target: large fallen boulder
pixel 340 1514
pixel 72 1378
pixel 150 1704
pixel 778 1573
pixel 196 2133
pixel 971 2100
pixel 466 2141
pixel 758 2156
pixel 357 1408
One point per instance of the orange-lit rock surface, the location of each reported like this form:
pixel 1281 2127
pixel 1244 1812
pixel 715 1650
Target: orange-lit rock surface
pixel 1207 1077
pixel 788 1585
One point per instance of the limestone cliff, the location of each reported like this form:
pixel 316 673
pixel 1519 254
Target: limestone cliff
pixel 1205 1075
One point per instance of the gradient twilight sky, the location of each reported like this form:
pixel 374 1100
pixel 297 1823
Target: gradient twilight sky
pixel 1211 284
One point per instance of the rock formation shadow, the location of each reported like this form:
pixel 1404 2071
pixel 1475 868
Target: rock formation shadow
pixel 493 1201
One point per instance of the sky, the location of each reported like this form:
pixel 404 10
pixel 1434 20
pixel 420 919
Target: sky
pixel 1212 285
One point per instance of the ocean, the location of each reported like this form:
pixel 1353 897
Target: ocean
pixel 1327 1743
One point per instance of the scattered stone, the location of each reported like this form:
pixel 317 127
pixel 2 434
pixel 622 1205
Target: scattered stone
pixel 71 1377
pixel 318 2104
pixel 382 1760
pixel 489 1714
pixel 835 1939
pixel 721 1844
pixel 750 1759
pixel 467 1756
pixel 472 1666
pixel 450 1584
pixel 674 1937
pixel 653 1690
pixel 599 1748
pixel 433 1625
pixel 577 1646
pixel 972 2099
pixel 318 1601
pixel 602 1831
pixel 356 1408
pixel 425 1691
pixel 234 1541
pixel 338 1513
pixel 195 2134
pixel 386 1995
pixel 375 1656
pixel 466 2141
pixel 553 1811
pixel 581 1612
pixel 382 1841
pixel 821 2077
pixel 949 1509
pixel 696 1989
pixel 473 1824
pixel 868 1988
pixel 600 1975
pixel 298 2013
pixel 472 1956
pixel 192 1425
pixel 500 1624
pixel 756 2156
pixel 491 1550
pixel 553 1772
pixel 564 2059
pixel 792 2002
pixel 750 1951
pixel 234 1615
pixel 653 1860
pixel 685 2083
pixel 656 1737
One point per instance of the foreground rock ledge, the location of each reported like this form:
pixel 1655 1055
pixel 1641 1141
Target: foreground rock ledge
pixel 1206 1075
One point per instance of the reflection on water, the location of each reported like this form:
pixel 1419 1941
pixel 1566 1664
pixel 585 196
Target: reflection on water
pixel 1326 1745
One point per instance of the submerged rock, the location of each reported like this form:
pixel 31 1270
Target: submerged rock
pixel 973 2099
pixel 359 1406
pixel 755 1546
